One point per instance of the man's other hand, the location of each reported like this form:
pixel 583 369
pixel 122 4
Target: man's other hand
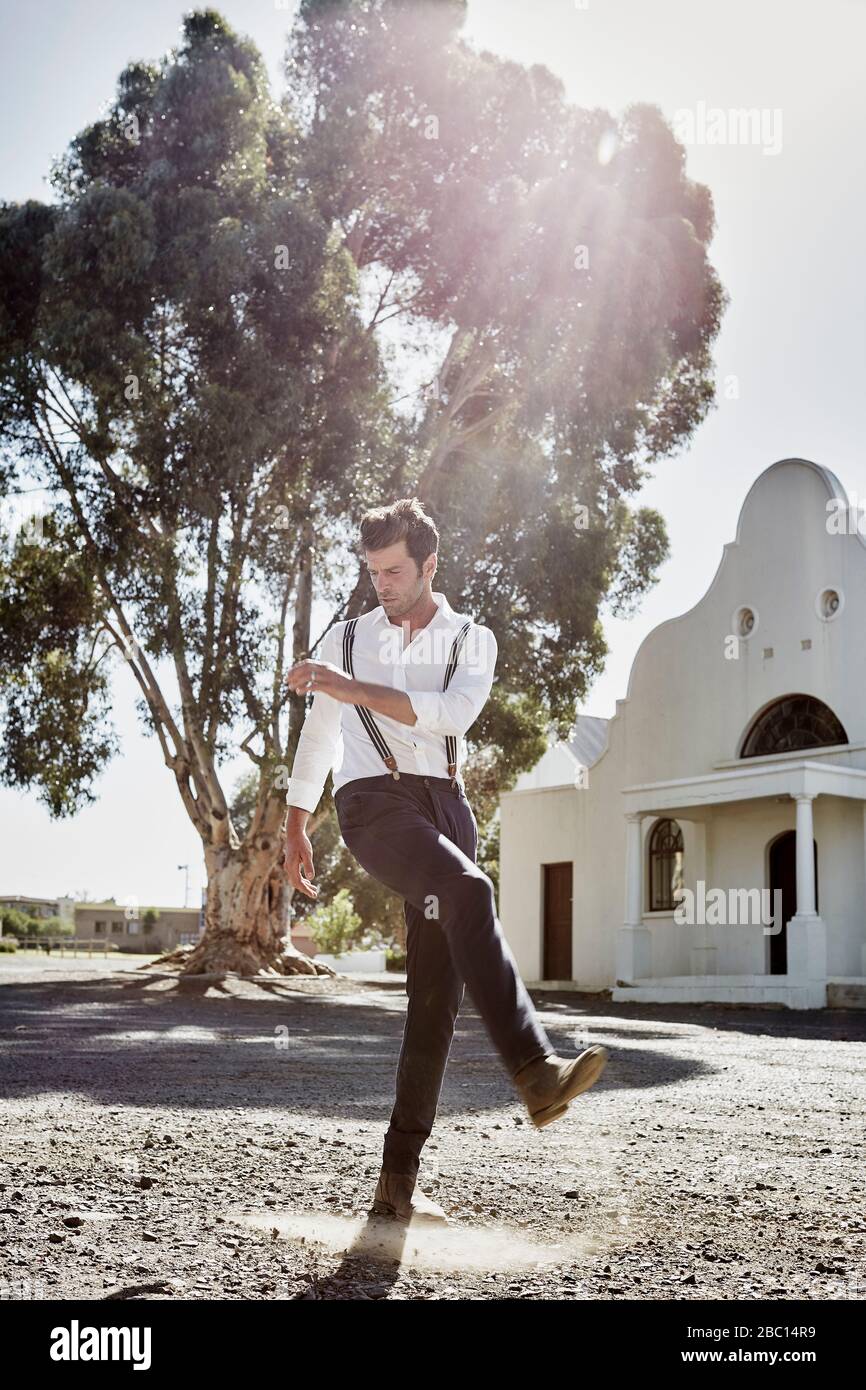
pixel 298 862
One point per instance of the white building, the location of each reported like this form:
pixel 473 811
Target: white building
pixel 735 764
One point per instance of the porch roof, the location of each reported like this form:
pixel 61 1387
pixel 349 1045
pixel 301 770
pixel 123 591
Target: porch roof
pixel 689 795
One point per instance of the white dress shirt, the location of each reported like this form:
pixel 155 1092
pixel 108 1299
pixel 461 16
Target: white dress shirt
pixel 333 735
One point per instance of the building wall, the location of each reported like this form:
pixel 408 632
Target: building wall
pixel 537 827
pixel 129 934
pixel 686 712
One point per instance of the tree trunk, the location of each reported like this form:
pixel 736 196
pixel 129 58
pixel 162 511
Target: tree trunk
pixel 246 916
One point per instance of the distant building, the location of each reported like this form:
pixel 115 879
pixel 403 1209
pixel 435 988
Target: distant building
pixel 42 908
pixel 150 930
pixel 302 938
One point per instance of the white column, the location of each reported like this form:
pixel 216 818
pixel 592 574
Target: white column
pixel 634 871
pixel 807 933
pixel 634 953
pixel 805 857
pixel 703 952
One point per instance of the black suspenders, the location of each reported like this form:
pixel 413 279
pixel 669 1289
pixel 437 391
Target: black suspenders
pixel 450 740
pixel 369 722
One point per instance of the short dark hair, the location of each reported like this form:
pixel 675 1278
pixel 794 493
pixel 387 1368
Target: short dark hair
pixel 405 520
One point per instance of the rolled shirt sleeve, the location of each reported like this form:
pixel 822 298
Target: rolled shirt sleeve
pixel 453 711
pixel 317 743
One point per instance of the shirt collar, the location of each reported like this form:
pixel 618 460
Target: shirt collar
pixel 446 612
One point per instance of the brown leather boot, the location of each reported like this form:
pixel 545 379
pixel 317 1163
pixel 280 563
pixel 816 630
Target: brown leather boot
pixel 399 1197
pixel 547 1084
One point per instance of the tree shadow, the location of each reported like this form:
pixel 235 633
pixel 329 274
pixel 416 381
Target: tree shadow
pixel 294 1046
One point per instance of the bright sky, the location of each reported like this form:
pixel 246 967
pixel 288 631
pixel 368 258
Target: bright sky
pixel 788 248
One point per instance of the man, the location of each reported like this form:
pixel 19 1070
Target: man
pixel 398 689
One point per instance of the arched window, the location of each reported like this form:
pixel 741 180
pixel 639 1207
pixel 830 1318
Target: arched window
pixel 665 865
pixel 797 721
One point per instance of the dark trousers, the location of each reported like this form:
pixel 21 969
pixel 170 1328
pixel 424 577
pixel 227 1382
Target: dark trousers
pixel 418 836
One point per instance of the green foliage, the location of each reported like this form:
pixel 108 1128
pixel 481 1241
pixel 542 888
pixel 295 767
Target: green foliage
pixel 15 923
pixel 56 699
pixel 23 926
pixel 335 925
pixel 54 927
pixel 8 945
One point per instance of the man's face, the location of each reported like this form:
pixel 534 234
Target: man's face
pixel 396 579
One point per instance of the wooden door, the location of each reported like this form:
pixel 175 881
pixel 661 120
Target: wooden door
pixel 557 922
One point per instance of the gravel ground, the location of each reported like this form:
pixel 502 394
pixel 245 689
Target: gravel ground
pixel 222 1138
